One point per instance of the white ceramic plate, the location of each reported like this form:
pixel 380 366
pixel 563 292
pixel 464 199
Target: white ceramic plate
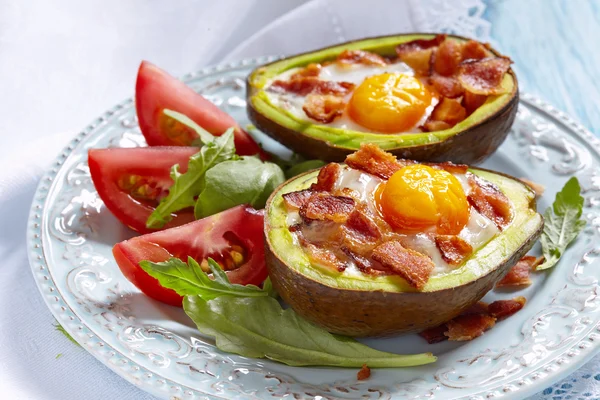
pixel 156 347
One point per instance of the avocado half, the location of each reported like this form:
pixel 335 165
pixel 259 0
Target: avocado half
pixel 387 305
pixel 468 142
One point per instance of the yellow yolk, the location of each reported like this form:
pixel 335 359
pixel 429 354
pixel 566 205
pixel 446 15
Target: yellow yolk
pixel 389 102
pixel 418 197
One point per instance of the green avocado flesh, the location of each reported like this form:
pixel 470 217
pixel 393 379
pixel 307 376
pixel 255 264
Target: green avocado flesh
pixel 525 224
pixel 351 139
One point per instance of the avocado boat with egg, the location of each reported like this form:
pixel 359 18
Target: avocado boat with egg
pixel 419 96
pixel 381 246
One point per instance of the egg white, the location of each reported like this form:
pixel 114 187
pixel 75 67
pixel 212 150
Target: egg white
pixel 353 73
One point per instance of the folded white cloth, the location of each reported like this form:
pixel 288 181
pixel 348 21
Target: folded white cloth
pixel 65 63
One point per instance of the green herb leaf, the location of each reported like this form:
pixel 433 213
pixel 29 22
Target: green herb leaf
pixel 204 136
pixel 268 287
pixel 258 327
pixel 189 185
pixel 562 223
pixel 59 355
pixel 62 330
pixel 302 167
pixel 189 279
pixel 231 183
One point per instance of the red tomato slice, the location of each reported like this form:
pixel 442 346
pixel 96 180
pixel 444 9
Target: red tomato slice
pixel 156 90
pixel 238 229
pixel 131 181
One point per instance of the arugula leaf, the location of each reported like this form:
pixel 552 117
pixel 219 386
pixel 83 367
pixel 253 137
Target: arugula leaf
pixel 302 167
pixel 189 185
pixel 62 330
pixel 231 183
pixel 562 223
pixel 204 136
pixel 189 279
pixel 258 327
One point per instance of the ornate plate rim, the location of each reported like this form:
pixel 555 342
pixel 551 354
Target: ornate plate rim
pixel 152 383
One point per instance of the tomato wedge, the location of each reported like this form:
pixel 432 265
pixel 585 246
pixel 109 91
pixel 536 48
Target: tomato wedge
pixel 131 181
pixel 156 90
pixel 234 238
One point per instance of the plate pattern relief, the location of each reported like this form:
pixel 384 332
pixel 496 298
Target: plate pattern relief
pixel 154 346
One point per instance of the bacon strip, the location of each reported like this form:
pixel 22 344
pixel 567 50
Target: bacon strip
pixel 419 44
pixel 474 50
pixel 484 76
pixel 434 126
pixel 364 373
pixel 519 273
pixel 295 200
pixel 328 176
pixel 324 108
pixel 311 69
pixel 360 234
pixel 435 334
pixel 447 86
pixel 468 327
pixel 447 58
pixel 323 257
pixel 489 201
pixel 502 309
pixel 411 265
pixel 349 57
pixel 326 207
pixel 304 85
pixel 472 101
pixel 454 249
pixel 451 167
pixel 449 111
pixel 372 160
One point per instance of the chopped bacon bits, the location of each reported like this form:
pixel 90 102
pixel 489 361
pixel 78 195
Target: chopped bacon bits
pixel 519 273
pixel 449 111
pixel 323 108
pixel 419 44
pixel 372 160
pixel 411 265
pixel 349 57
pixel 435 334
pixel 323 257
pixel 360 234
pixel 304 85
pixel 311 69
pixel 484 76
pixel 451 167
pixel 468 327
pixel 489 201
pixel 328 176
pixel 502 309
pixel 474 50
pixel 454 249
pixel 326 207
pixel 472 101
pixel 447 57
pixel 434 126
pixel 418 60
pixel 364 373
pixel 536 187
pixel 295 200
pixel 447 86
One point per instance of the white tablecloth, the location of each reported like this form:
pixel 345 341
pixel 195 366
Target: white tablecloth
pixel 63 63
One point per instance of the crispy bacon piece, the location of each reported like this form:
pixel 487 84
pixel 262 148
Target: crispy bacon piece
pixel 363 264
pixel 451 167
pixel 411 265
pixel 474 50
pixel 472 101
pixel 519 273
pixel 323 107
pixel 326 207
pixel 489 201
pixel 447 86
pixel 418 60
pixel 484 76
pixel 454 249
pixel 435 334
pixel 447 58
pixel 364 373
pixel 502 309
pixel 295 200
pixel 419 44
pixel 468 327
pixel 360 234
pixel 449 111
pixel 371 159
pixel 434 126
pixel 311 69
pixel 328 176
pixel 323 257
pixel 349 57
pixel 481 307
pixel 304 85
pixel 537 188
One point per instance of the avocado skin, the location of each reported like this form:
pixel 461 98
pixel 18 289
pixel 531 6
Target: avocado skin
pixel 471 146
pixel 359 313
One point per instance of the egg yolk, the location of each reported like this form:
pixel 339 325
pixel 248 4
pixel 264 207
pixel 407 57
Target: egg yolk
pixel 419 197
pixel 389 102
